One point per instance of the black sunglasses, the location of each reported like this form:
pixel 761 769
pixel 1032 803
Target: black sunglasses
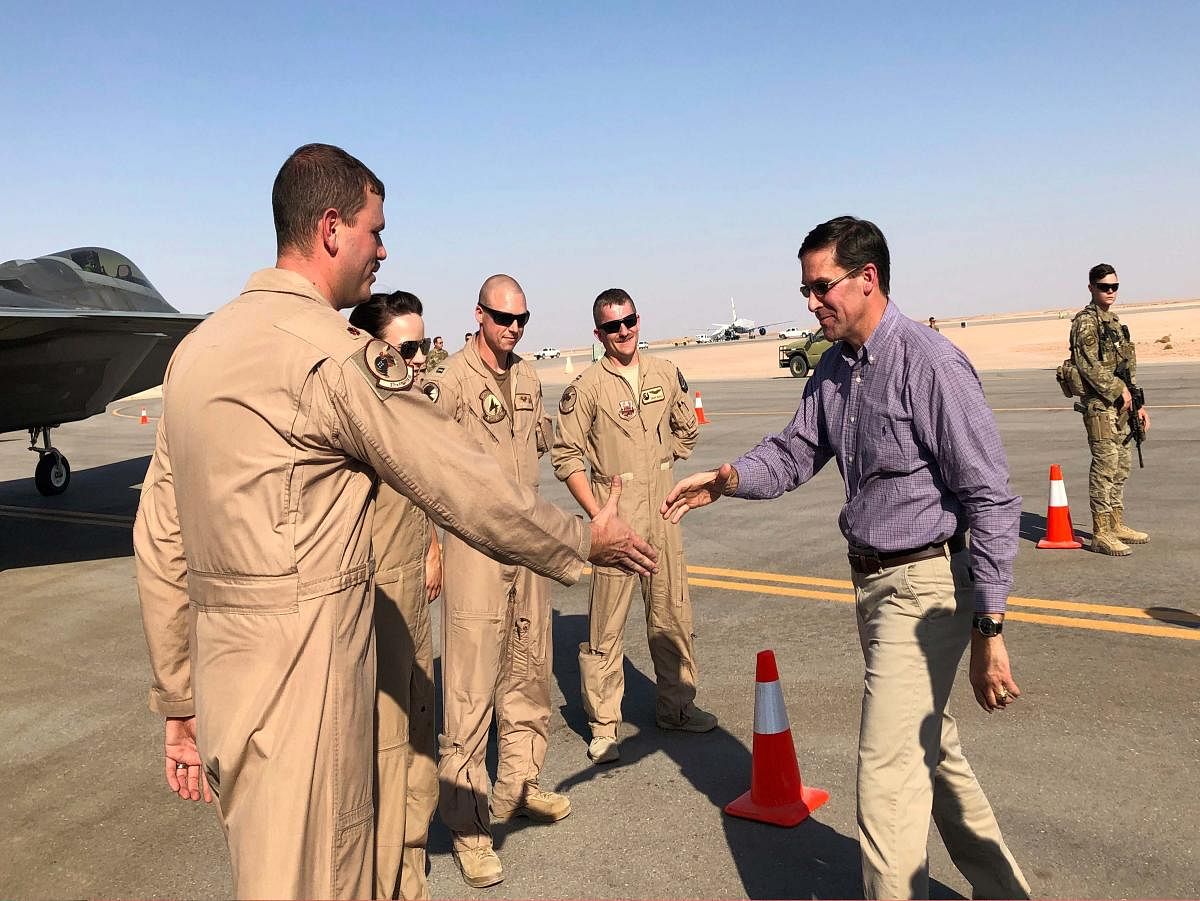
pixel 823 286
pixel 504 320
pixel 408 349
pixel 614 325
pixel 1107 289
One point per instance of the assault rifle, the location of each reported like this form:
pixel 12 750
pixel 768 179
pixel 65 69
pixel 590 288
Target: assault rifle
pixel 1137 434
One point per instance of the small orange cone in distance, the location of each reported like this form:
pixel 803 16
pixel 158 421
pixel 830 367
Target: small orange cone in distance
pixel 776 793
pixel 1059 532
pixel 700 418
pixel 145 420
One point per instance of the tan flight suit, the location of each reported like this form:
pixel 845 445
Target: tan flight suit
pixel 496 649
pixel 406 789
pixel 253 553
pixel 638 437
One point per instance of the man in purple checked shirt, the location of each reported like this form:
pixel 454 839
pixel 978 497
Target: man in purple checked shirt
pixel 901 410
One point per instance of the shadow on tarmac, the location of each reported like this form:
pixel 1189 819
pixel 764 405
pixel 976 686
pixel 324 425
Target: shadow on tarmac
pixel 1033 528
pixel 111 490
pixel 1175 616
pixel 808 861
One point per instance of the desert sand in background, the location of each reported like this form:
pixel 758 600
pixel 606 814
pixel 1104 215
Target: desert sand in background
pixel 1033 340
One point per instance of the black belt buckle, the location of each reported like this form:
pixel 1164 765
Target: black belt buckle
pixel 865 564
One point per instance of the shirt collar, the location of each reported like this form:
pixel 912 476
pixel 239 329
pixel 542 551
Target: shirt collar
pixel 879 340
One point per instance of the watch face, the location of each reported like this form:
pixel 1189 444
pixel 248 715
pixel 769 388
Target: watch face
pixel 987 626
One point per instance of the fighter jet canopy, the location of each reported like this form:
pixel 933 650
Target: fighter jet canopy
pixel 102 261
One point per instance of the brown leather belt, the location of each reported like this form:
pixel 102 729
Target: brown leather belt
pixel 867 561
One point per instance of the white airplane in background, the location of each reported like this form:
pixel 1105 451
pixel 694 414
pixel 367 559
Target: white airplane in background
pixel 731 331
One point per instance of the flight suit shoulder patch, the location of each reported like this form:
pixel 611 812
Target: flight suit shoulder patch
pixel 385 371
pixel 567 402
pixel 683 385
pixel 654 395
pixel 432 390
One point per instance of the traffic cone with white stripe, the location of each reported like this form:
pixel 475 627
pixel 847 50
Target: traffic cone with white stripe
pixel 700 418
pixel 1059 532
pixel 144 420
pixel 776 793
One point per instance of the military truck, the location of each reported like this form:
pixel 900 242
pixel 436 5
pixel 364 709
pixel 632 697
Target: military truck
pixel 799 357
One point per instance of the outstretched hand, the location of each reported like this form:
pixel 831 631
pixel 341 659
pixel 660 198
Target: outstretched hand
pixel 614 543
pixel 698 490
pixel 182 766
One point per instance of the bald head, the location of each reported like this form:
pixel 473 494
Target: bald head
pixel 497 288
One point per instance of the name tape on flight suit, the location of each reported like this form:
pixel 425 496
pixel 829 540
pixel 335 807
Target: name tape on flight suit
pixel 653 395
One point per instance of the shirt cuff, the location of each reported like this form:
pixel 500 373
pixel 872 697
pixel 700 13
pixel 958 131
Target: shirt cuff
pixel 990 598
pixel 741 490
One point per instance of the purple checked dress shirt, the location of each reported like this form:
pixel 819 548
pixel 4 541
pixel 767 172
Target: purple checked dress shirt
pixel 917 446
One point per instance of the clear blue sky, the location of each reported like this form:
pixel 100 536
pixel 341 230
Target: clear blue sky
pixel 679 151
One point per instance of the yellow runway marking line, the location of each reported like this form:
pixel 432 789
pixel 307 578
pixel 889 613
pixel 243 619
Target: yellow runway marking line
pixel 770 577
pixel 1101 625
pixel 1112 610
pixel 76 516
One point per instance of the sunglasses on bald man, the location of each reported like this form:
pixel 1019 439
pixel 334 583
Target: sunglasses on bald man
pixel 504 320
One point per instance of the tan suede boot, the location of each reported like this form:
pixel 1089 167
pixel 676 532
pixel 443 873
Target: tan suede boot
pixel 1124 532
pixel 480 866
pixel 1104 539
pixel 539 805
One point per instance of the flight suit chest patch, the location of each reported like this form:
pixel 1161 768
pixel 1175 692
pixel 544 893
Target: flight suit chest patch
pixel 625 409
pixel 491 407
pixel 432 391
pixel 384 369
pixel 653 395
pixel 566 403
pixel 523 402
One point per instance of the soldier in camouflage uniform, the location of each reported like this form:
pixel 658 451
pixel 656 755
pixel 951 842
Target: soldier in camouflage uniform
pixel 438 355
pixel 1100 348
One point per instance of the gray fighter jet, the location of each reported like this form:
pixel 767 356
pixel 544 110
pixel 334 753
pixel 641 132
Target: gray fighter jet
pixel 78 329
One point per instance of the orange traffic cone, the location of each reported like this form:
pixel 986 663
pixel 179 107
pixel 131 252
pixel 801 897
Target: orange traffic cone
pixel 700 418
pixel 145 420
pixel 776 793
pixel 1059 532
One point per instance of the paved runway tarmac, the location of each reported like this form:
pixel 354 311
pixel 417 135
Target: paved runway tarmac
pixel 1092 774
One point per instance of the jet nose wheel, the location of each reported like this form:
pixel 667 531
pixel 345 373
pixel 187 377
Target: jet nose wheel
pixel 53 474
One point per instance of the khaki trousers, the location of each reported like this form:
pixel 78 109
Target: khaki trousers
pixel 284 697
pixel 406 786
pixel 914 623
pixel 496 660
pixel 668 632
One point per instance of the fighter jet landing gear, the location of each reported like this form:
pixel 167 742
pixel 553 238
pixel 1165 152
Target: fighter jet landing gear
pixel 53 473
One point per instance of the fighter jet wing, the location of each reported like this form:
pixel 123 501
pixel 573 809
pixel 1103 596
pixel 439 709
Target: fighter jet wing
pixel 63 365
